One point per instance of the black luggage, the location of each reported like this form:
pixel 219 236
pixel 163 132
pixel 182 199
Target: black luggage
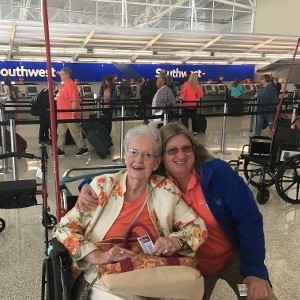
pixel 97 136
pixel 200 124
pixel 21 143
pixel 236 107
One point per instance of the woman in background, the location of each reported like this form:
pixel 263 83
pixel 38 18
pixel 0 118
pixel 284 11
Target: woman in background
pixel 189 93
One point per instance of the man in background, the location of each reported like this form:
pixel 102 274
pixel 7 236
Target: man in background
pixel 68 98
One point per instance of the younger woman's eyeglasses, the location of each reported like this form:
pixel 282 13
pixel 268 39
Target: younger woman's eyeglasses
pixel 175 150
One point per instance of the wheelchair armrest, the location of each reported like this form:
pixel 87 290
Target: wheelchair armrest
pixel 243 149
pixel 58 248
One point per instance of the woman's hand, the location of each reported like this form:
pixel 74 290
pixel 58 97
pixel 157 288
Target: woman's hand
pixel 115 254
pixel 87 198
pixel 257 288
pixel 166 246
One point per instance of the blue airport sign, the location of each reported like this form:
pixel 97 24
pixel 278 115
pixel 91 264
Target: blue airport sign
pixel 95 72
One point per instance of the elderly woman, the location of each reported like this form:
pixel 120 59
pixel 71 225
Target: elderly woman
pixel 235 249
pixel 164 96
pixel 171 222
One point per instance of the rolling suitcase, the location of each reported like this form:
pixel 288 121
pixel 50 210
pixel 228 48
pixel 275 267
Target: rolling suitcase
pixel 21 143
pixel 200 124
pixel 95 138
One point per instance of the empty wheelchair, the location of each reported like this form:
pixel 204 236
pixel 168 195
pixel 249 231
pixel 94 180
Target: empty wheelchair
pixel 273 160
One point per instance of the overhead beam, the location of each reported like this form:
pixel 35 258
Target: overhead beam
pixel 236 4
pixel 84 43
pixel 162 13
pixel 205 46
pixel 149 44
pixel 11 41
pixel 231 60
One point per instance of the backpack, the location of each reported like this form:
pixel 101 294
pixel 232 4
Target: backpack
pixel 37 106
pixel 34 107
pixel 13 93
pixel 128 90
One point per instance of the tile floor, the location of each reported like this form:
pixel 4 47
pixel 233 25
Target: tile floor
pixel 22 241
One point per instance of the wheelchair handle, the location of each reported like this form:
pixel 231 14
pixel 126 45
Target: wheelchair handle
pixel 18 154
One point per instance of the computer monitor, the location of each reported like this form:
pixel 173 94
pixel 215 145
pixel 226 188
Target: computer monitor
pixel 32 90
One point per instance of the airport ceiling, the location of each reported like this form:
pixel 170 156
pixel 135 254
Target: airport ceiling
pixel 140 31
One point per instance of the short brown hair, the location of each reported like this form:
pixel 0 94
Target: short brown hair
pixel 266 78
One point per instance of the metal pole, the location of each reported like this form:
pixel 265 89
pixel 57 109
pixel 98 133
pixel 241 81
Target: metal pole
pixel 165 118
pixel 223 138
pixel 284 89
pixel 5 169
pixel 121 159
pixel 52 112
pixel 293 118
pixel 12 131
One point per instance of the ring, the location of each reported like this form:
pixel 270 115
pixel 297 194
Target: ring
pixel 122 252
pixel 165 251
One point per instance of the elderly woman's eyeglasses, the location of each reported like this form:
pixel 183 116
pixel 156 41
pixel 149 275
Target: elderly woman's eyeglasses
pixel 184 149
pixel 135 153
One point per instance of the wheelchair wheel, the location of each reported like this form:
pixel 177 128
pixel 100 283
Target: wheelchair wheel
pixel 47 281
pixel 2 224
pixel 257 175
pixel 263 196
pixel 51 221
pixel 288 180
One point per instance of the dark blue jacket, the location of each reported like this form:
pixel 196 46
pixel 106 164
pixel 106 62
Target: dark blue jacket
pixel 233 206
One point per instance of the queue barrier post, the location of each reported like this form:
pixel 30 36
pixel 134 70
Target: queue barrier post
pixel 293 118
pixel 165 121
pixel 121 159
pixel 5 169
pixel 223 137
pixel 12 131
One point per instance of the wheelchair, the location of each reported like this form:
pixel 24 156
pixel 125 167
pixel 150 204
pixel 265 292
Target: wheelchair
pixel 266 161
pixel 57 279
pixel 22 193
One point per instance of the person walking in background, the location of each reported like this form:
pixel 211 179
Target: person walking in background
pixel 267 95
pixel 108 94
pixel 125 89
pixel 277 85
pixel 189 93
pixel 67 99
pixel 5 90
pixel 40 107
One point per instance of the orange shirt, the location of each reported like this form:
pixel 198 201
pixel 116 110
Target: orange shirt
pixel 68 93
pixel 213 254
pixel 189 95
pixel 127 214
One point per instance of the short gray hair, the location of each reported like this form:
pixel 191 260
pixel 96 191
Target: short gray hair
pixel 144 131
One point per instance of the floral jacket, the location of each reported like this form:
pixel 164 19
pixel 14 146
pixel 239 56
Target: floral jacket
pixel 78 231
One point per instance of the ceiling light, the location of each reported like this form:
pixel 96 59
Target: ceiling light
pixel 53 50
pixel 4 48
pixel 157 61
pixel 122 52
pixel 280 56
pixel 192 53
pixel 242 54
pixel 208 62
